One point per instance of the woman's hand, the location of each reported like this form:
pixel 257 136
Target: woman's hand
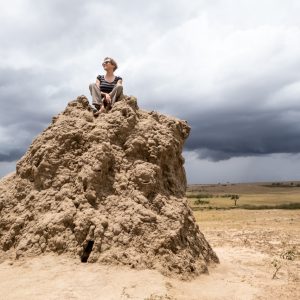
pixel 107 98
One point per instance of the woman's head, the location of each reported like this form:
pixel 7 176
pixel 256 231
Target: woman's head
pixel 110 61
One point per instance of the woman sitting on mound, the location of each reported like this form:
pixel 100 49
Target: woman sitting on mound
pixel 108 88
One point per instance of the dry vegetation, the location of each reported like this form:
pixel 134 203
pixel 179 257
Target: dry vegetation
pixel 250 196
pixel 261 247
pixel 270 237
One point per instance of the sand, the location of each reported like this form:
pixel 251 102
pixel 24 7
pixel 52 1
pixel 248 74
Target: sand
pixel 245 271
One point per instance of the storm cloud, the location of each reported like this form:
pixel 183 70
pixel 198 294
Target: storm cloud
pixel 235 134
pixel 230 69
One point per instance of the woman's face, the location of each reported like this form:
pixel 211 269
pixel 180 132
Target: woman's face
pixel 107 65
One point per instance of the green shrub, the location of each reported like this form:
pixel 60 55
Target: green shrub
pixel 226 196
pixel 200 201
pixel 199 196
pixel 279 206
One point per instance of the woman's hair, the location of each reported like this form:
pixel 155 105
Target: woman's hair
pixel 113 62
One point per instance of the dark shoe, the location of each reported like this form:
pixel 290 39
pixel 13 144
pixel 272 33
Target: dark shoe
pixel 97 106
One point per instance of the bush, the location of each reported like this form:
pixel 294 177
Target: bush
pixel 226 196
pixel 276 183
pixel 199 196
pixel 200 201
pixel 279 206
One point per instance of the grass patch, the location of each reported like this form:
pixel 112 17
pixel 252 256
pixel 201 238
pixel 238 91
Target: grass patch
pixel 282 184
pixel 227 196
pixel 248 196
pixel 248 206
pixel 200 202
pixel 279 206
pixel 199 195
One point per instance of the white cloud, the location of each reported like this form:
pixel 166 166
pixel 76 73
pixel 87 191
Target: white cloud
pixel 286 98
pixel 210 66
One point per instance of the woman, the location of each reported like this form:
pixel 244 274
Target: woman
pixel 108 88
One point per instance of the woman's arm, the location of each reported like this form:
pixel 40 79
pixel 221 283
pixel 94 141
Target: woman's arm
pixel 119 82
pixel 98 85
pixel 97 82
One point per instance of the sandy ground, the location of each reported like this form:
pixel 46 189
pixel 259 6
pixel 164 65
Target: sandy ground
pixel 247 243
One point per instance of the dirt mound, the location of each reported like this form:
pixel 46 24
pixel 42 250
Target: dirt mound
pixel 108 189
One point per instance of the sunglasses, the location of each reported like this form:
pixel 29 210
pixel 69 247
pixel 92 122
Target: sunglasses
pixel 106 62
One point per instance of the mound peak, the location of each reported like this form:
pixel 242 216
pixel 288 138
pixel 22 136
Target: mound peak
pixel 109 189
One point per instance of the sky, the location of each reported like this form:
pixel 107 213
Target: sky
pixel 230 68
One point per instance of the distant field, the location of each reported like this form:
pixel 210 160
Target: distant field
pixel 285 195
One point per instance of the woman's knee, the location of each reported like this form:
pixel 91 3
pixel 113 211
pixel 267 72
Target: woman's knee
pixel 119 87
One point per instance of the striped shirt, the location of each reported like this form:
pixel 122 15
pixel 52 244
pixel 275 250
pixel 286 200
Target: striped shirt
pixel 105 86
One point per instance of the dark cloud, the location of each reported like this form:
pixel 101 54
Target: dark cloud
pixel 27 105
pixel 11 156
pixel 7 167
pixel 249 132
pixel 273 167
